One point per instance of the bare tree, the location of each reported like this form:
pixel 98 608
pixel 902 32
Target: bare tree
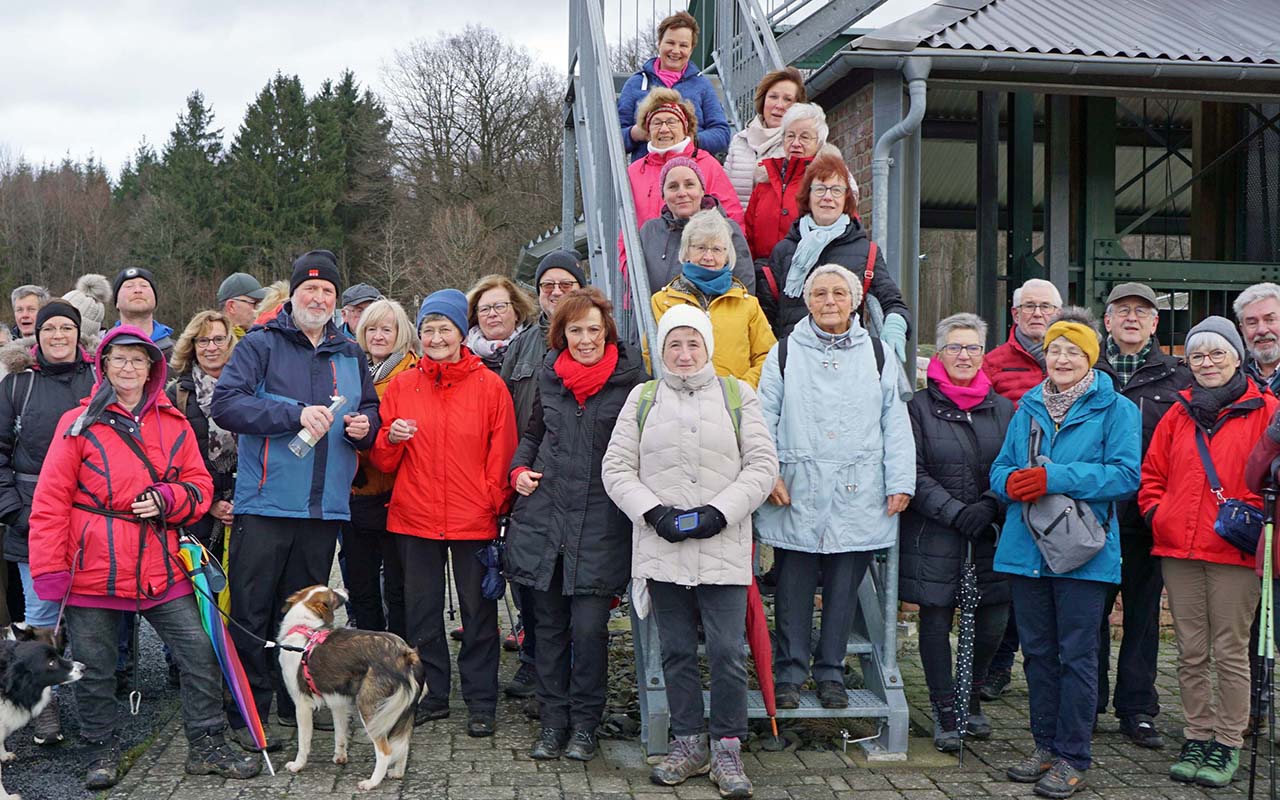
pixel 629 55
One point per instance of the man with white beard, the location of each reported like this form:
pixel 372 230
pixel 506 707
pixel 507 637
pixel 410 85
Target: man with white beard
pixel 1258 312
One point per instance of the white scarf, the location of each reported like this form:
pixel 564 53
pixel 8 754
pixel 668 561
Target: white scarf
pixel 814 238
pixel 680 145
pixel 489 348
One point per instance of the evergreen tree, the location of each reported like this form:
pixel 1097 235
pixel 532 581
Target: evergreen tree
pixel 189 176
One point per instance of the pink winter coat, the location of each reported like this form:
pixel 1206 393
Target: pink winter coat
pixel 646 188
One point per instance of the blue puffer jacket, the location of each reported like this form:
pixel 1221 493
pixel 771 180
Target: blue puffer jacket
pixel 713 126
pixel 1097 456
pixel 273 373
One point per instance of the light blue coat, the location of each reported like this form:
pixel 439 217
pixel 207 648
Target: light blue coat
pixel 1097 456
pixel 844 444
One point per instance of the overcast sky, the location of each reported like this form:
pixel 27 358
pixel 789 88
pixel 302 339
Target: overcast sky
pixel 88 76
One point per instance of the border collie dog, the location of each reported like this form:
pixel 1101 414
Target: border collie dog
pixel 28 672
pixel 372 673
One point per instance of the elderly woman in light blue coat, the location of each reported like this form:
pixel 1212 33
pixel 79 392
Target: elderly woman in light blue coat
pixel 848 461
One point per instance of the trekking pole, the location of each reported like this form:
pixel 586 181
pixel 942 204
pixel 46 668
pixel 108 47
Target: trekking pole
pixel 1265 689
pixel 448 581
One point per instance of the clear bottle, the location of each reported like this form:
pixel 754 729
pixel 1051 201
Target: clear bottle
pixel 304 441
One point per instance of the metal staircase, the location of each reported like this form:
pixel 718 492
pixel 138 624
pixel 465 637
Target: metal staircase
pixel 742 48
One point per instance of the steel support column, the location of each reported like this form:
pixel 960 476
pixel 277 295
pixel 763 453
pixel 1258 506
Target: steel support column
pixel 1057 191
pixel 569 182
pixel 1019 198
pixel 991 307
pixel 1097 216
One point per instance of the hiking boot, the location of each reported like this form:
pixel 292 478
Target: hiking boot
pixel 583 745
pixel 946 733
pixel 103 763
pixel 689 756
pixel 787 695
pixel 244 738
pixel 1219 766
pixel 481 724
pixel 997 681
pixel 1189 760
pixel 524 683
pixel 209 754
pixel 428 712
pixel 1063 780
pixel 550 744
pixel 1033 767
pixel 831 694
pixel 1141 730
pixel 979 726
pixel 727 772
pixel 48 726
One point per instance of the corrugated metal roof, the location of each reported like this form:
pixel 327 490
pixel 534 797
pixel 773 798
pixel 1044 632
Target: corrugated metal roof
pixel 1222 31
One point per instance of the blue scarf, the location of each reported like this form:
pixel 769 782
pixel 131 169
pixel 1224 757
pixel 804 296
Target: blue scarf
pixel 711 282
pixel 813 240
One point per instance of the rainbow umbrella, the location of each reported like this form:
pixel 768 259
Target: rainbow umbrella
pixel 195 560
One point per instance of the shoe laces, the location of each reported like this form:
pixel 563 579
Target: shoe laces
pixel 728 759
pixel 584 736
pixel 1219 756
pixel 1193 749
pixel 1060 770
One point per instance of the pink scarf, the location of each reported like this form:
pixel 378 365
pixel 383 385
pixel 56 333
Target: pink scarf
pixel 965 397
pixel 668 77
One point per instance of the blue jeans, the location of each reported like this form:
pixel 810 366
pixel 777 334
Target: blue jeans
pixel 1058 630
pixel 39 613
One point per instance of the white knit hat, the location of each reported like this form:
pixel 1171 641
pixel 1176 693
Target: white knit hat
pixel 90 297
pixel 683 316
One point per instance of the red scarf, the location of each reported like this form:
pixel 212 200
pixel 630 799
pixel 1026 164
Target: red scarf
pixel 584 380
pixel 965 397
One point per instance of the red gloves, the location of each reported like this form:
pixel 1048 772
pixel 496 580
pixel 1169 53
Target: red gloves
pixel 1027 485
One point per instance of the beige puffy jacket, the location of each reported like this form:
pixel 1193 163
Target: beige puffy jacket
pixel 689 457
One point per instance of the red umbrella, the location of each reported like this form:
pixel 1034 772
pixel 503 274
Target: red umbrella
pixel 761 649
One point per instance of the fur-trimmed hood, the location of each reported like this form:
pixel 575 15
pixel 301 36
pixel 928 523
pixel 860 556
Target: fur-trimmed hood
pixel 20 355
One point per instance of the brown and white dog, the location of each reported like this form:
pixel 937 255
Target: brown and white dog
pixel 372 673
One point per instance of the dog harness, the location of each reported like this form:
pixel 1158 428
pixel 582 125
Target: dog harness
pixel 315 636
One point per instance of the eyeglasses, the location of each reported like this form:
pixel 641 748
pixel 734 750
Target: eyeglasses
pixel 1216 356
pixel 247 301
pixel 666 123
pixel 216 341
pixel 492 308
pixel 1043 308
pixel 65 330
pixel 700 249
pixel 1140 312
pixel 953 350
pixel 548 287
pixel 818 190
pixel 1072 353
pixel 121 362
pixel 806 138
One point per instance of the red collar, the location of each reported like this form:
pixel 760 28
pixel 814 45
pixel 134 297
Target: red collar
pixel 315 636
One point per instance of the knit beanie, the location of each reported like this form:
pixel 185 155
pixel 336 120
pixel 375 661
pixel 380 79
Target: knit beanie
pixel 1221 326
pixel 316 264
pixel 90 298
pixel 1081 336
pixel 57 308
pixel 129 274
pixel 450 303
pixel 681 161
pixel 683 316
pixel 566 260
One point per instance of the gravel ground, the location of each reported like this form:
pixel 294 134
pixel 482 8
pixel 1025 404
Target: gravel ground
pixel 56 773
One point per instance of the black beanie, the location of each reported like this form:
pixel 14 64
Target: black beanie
pixel 57 308
pixel 317 264
pixel 129 274
pixel 566 260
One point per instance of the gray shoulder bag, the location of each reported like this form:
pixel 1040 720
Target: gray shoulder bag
pixel 1065 529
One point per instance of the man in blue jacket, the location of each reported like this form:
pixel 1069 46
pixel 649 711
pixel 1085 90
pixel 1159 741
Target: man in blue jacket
pixel 280 382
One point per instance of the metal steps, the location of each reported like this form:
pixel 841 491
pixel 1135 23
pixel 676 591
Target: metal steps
pixel 862 703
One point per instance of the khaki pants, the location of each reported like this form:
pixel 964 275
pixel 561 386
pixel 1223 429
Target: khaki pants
pixel 1212 607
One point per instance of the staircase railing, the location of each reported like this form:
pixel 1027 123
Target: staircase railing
pixel 744 51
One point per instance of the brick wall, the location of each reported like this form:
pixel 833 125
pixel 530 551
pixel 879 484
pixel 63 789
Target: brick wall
pixel 852 130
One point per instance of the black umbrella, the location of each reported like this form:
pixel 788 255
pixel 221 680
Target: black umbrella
pixel 967 599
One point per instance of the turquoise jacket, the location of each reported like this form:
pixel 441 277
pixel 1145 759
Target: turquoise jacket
pixel 1097 457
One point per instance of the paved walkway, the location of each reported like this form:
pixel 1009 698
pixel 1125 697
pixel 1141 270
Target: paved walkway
pixel 445 763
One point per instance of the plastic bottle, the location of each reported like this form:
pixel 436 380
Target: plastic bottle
pixel 304 441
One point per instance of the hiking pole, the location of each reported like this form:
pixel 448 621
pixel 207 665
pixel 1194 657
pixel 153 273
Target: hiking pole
pixel 448 581
pixel 1265 688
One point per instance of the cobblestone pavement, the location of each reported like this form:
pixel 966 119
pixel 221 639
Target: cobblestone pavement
pixel 445 763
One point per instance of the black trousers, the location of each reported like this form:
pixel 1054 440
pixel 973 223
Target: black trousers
pixel 935 645
pixel 529 620
pixel 378 601
pixel 423 563
pixel 573 657
pixel 270 559
pixel 842 573
pixel 1141 583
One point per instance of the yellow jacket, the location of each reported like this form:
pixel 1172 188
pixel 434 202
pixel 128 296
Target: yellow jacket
pixel 743 336
pixel 369 480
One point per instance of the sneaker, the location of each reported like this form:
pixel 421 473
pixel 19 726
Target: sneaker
pixel 481 724
pixel 997 681
pixel 787 695
pixel 524 683
pixel 1033 767
pixel 689 756
pixel 1063 780
pixel 727 772
pixel 514 640
pixel 427 712
pixel 1141 730
pixel 831 694
pixel 456 634
pixel 209 754
pixel 550 744
pixel 946 732
pixel 1219 766
pixel 244 738
pixel 1189 760
pixel 583 745
pixel 103 763
pixel 48 725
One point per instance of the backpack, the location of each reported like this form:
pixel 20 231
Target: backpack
pixel 876 348
pixel 868 273
pixel 729 387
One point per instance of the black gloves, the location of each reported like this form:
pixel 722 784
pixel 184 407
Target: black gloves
pixel 710 522
pixel 974 521
pixel 663 520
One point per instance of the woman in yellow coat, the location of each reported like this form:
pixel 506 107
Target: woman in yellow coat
pixel 743 336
